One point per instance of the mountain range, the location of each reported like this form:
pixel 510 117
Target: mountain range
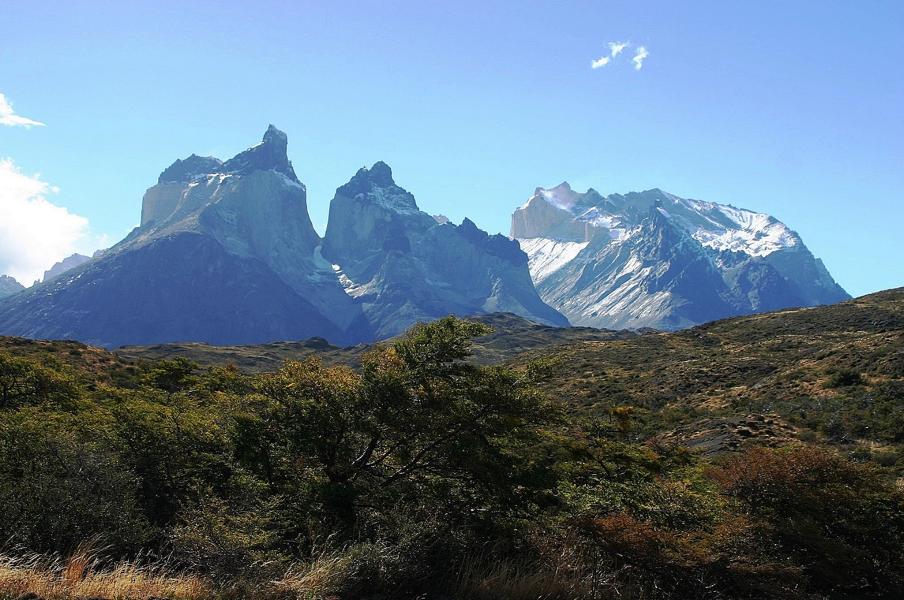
pixel 226 253
pixel 653 259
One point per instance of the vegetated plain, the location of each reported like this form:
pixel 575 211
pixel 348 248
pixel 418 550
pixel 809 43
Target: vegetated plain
pixel 756 457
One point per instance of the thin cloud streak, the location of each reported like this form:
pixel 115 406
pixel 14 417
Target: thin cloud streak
pixel 600 62
pixel 639 56
pixel 9 118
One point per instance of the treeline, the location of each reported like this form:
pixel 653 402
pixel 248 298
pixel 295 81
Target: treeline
pixel 420 475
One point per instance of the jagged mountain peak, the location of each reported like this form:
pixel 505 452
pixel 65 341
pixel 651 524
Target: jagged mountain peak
pixel 9 286
pixel 270 154
pixel 273 135
pixel 376 187
pixel 403 265
pixel 560 196
pixel 379 175
pixel 67 264
pixel 184 170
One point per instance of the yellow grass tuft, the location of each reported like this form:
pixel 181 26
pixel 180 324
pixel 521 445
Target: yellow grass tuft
pixel 80 576
pixel 317 579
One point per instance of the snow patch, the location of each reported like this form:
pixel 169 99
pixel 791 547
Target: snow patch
pixel 545 256
pixel 755 234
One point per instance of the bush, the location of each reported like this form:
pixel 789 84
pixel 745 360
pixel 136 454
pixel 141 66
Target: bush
pixel 845 378
pixel 838 519
pixel 230 545
pixel 60 487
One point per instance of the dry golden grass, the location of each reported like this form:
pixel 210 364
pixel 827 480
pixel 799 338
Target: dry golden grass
pixel 482 579
pixel 81 576
pixel 317 579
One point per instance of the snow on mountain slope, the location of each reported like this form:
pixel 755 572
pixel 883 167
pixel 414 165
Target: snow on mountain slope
pixel 545 257
pixel 754 234
pixel 590 257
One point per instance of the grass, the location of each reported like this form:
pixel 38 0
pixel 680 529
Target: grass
pixel 483 579
pixel 83 576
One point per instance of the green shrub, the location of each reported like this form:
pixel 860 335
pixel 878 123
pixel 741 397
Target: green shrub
pixel 845 378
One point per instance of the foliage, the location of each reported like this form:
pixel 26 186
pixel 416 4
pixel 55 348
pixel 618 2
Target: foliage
pixel 421 473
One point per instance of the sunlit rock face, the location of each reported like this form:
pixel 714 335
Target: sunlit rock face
pixel 652 259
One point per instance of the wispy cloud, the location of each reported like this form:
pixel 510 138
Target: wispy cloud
pixel 34 232
pixel 639 56
pixel 616 48
pixel 600 62
pixel 9 117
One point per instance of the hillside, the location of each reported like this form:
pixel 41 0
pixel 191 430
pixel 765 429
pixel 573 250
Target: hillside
pixel 835 371
pixel 751 458
pixel 833 374
pixel 511 336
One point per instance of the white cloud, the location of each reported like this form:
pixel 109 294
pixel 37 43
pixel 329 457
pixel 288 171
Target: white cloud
pixel 34 232
pixel 9 117
pixel 616 48
pixel 639 57
pixel 600 62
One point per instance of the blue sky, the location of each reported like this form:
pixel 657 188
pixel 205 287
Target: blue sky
pixel 790 108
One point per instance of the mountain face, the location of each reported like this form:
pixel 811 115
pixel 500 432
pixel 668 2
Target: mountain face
pixel 652 259
pixel 226 254
pixel 9 286
pixel 402 265
pixel 70 262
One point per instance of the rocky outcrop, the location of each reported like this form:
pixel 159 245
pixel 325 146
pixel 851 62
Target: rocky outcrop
pixel 9 286
pixel 256 208
pixel 70 262
pixel 652 259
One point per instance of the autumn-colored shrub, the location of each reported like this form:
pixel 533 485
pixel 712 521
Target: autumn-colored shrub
pixel 840 520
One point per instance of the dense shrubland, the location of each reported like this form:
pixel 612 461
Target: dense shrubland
pixel 417 475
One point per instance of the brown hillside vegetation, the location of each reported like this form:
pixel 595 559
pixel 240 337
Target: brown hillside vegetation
pixel 832 374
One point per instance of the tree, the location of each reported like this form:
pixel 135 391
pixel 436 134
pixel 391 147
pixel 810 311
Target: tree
pixel 419 424
pixel 23 381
